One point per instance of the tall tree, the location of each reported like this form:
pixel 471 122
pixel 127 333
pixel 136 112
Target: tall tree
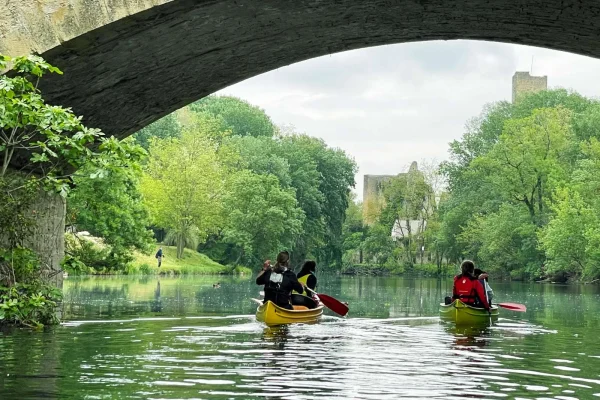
pixel 183 184
pixel 406 203
pixel 323 178
pixel 262 217
pixel 354 233
pixel 531 157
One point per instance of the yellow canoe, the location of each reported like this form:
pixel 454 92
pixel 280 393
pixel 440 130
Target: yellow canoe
pixel 463 314
pixel 271 314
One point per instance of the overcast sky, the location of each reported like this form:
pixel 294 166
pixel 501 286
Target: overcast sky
pixel 387 106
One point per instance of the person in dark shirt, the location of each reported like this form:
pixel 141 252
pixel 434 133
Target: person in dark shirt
pixel 307 277
pixel 159 256
pixel 279 281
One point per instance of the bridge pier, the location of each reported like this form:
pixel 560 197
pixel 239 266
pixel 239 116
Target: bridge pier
pixel 48 237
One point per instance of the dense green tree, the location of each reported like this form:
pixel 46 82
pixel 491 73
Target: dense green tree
pixel 322 178
pixel 183 184
pixel 505 176
pixel 262 217
pixel 571 239
pixel 378 245
pixel 245 139
pixel 166 127
pixel 564 238
pixel 407 198
pixel 503 242
pixel 111 208
pixel 260 155
pixel 236 115
pixel 354 233
pixel 532 156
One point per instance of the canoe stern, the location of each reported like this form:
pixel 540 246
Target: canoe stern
pixel 271 314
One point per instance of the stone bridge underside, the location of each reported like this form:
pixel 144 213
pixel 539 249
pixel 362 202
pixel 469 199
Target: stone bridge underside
pixel 130 62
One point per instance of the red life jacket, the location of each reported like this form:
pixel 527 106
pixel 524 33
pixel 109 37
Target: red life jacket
pixel 469 290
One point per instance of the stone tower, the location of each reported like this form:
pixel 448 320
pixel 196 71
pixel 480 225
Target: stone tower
pixel 523 83
pixel 373 193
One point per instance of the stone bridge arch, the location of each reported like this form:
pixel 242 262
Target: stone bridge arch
pixel 130 62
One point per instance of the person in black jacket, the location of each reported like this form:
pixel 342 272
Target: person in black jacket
pixel 307 277
pixel 279 281
pixel 159 256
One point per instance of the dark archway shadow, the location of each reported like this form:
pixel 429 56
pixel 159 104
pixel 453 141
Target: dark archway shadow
pixel 131 72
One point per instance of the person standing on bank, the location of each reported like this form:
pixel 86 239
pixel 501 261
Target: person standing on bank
pixel 279 281
pixel 159 256
pixel 307 277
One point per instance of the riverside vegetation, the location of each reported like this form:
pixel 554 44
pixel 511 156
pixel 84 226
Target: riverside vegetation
pixel 520 197
pixel 56 143
pixel 220 179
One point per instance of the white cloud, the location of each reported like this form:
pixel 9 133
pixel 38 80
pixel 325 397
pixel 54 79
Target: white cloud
pixel 387 106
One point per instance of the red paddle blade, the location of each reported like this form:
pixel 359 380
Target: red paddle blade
pixel 513 306
pixel 333 304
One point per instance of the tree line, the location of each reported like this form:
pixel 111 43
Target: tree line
pixel 521 196
pixel 221 178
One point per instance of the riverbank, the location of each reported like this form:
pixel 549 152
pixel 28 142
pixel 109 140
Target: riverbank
pixel 192 263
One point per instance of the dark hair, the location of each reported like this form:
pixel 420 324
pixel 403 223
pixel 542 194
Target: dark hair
pixel 283 258
pixel 467 267
pixel 309 266
pixel 283 261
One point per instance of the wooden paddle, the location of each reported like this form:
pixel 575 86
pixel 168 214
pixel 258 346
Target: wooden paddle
pixel 513 306
pixel 333 304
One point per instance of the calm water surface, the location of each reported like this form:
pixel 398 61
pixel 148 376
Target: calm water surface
pixel 178 338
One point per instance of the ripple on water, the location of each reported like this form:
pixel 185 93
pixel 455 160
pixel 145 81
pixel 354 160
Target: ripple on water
pixel 236 357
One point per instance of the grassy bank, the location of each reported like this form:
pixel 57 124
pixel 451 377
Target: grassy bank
pixel 192 263
pixel 394 270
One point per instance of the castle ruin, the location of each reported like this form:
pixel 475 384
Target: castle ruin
pixel 523 83
pixel 373 193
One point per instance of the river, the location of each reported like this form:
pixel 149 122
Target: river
pixel 180 338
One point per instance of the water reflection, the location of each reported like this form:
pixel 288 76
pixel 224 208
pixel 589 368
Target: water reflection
pixel 276 335
pixel 156 305
pixel 148 338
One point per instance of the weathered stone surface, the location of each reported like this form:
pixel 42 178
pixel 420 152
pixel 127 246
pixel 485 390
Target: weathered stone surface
pixel 129 62
pixel 38 25
pixel 523 83
pixel 48 239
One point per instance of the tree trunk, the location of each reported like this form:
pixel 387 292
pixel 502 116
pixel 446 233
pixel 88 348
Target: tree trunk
pixel 48 238
pixel 180 245
pixel 539 186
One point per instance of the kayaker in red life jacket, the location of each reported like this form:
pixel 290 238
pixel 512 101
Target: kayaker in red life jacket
pixel 467 288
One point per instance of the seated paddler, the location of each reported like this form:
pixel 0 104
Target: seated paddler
pixel 279 281
pixel 483 276
pixel 307 278
pixel 467 288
